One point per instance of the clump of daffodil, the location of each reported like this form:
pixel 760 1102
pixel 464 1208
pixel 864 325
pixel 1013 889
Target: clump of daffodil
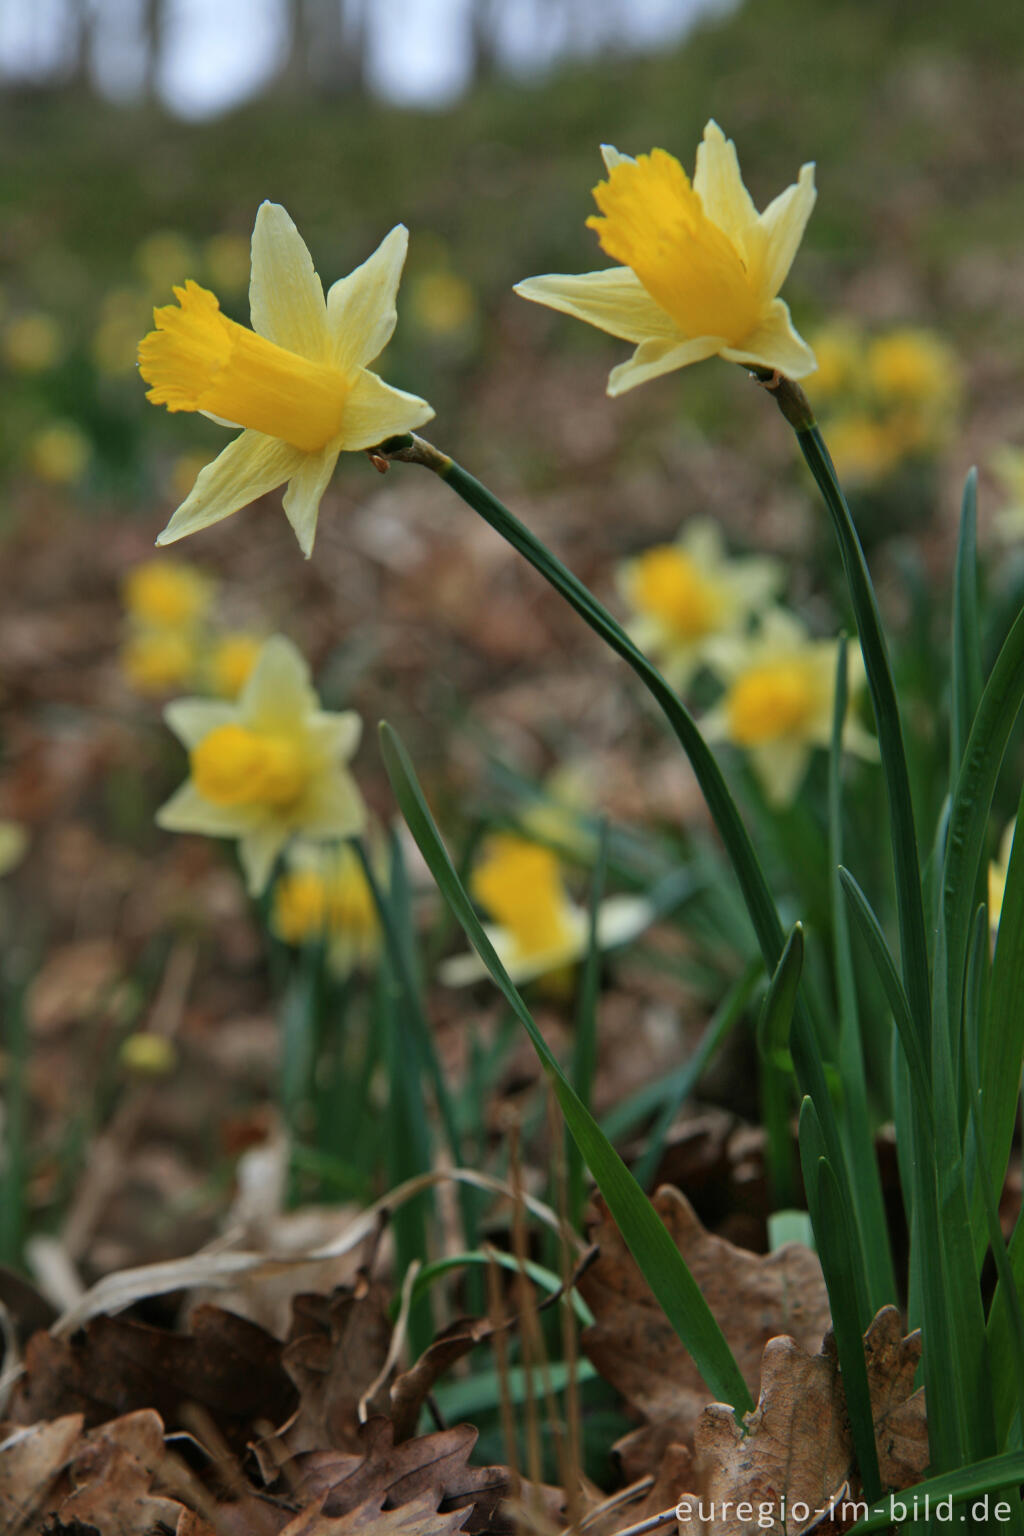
pixel 701 268
pixel 230 659
pixel 59 453
pixel 297 383
pixel 1008 467
pixel 778 700
pixel 323 896
pixel 998 870
pixel 883 399
pixel 686 593
pixel 166 603
pixel 267 769
pixel 538 930
pixel 156 660
pixel 31 342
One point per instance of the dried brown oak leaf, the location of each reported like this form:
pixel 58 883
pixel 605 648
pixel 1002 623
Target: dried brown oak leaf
pixel 792 1463
pixel 32 1459
pixel 226 1364
pixel 754 1297
pixel 395 1475
pixel 419 1517
pixel 111 1473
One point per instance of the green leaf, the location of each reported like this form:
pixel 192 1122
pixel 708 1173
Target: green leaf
pixel 967 679
pixel 969 1482
pixel 645 1234
pixel 773 1030
pixel 584 1056
pixel 1001 1034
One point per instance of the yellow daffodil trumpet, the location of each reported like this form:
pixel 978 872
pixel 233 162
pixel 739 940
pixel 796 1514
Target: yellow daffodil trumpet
pixel 297 382
pixel 701 268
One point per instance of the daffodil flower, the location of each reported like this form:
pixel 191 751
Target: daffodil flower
pixel 323 896
pixel 268 768
pixel 701 267
pixel 298 382
pixel 538 930
pixel 168 593
pixel 686 593
pixel 779 698
pixel 13 845
pixel 997 873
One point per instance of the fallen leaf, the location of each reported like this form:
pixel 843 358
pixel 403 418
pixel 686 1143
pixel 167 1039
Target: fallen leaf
pixel 32 1458
pixel 755 1297
pixel 419 1517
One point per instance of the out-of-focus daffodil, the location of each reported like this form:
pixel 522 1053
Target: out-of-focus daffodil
pixel 778 701
pixel 298 382
pixel 13 845
pixel 701 267
pixel 683 594
pixel 863 448
pixel 230 661
pixel 226 259
pixel 997 873
pixel 169 593
pixel 148 1054
pixel 31 342
pixel 59 453
pixel 324 897
pixel 538 929
pixel 839 350
pixel 155 660
pixel 912 367
pixel 1008 467
pixel 115 340
pixel 162 257
pixel 442 303
pixel 268 768
pixel 556 815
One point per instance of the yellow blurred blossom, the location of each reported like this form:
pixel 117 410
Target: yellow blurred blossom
pixel 683 594
pixel 538 929
pixel 59 453
pixel 778 701
pixel 156 660
pixel 701 267
pixel 324 896
pixel 839 350
pixel 31 342
pixel 297 383
pixel 558 813
pixel 115 340
pixel 148 1054
pixel 997 873
pixel 863 448
pixel 269 768
pixel 162 257
pixel 13 845
pixel 230 660
pixel 442 303
pixel 168 592
pixel 226 259
pixel 1008 467
pixel 913 367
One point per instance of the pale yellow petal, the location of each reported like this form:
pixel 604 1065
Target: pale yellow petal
pixel 248 468
pixel 717 179
pixel 335 808
pixel 612 156
pixel 188 811
pixel 653 358
pixel 286 297
pixel 614 300
pixel 781 229
pixel 375 411
pixel 257 854
pixel 278 694
pixel 361 308
pixel 775 344
pixel 621 919
pixel 338 734
pixel 193 719
pixel 780 767
pixel 305 489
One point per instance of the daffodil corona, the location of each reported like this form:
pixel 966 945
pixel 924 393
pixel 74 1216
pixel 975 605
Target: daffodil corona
pixel 267 769
pixel 701 268
pixel 297 382
pixel 324 897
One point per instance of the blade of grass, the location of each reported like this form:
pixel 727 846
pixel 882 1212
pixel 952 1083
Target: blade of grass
pixel 584 1056
pixel 1001 1040
pixel 659 1259
pixel 967 679
pixel 967 1482
pixel 773 1029
pixel 865 1183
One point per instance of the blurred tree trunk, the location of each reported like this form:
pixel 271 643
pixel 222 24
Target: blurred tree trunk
pixel 326 42
pixel 81 30
pixel 483 36
pixel 153 22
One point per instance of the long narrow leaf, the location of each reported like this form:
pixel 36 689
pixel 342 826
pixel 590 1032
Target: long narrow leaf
pixel 645 1234
pixel 967 680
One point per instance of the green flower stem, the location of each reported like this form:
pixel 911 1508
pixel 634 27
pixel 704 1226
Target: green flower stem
pixel 764 915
